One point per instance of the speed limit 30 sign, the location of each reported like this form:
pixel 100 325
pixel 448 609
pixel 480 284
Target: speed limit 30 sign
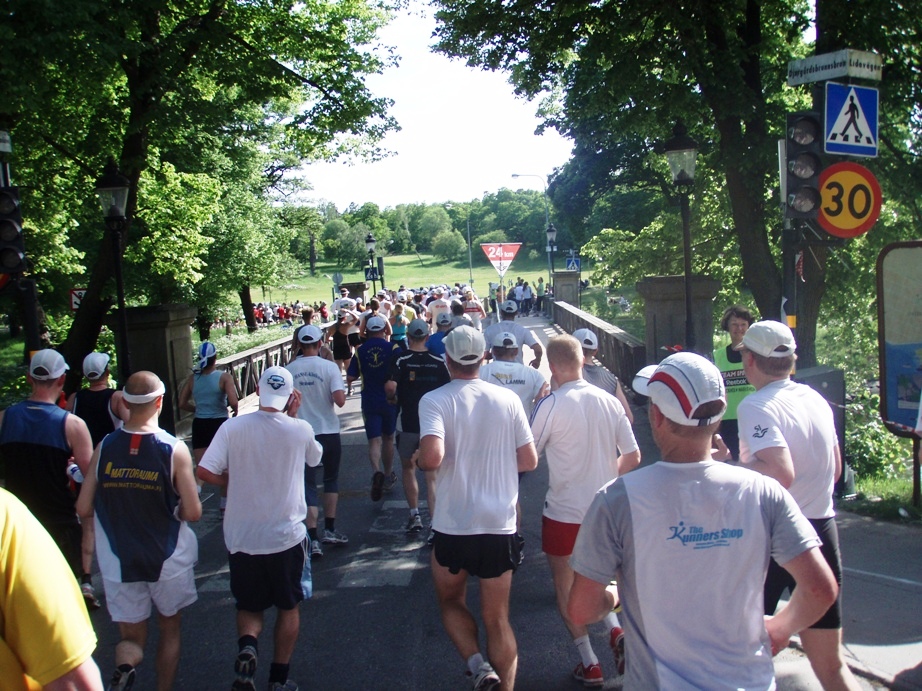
pixel 851 200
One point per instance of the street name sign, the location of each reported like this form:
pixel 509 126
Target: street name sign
pixel 842 63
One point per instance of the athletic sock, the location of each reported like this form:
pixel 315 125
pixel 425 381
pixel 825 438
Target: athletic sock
pixel 312 534
pixel 586 653
pixel 414 512
pixel 245 641
pixel 474 662
pixel 611 621
pixel 329 524
pixel 278 673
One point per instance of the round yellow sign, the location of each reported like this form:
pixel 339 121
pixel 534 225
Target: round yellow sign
pixel 851 200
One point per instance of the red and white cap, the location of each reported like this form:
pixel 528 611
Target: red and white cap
pixel 680 385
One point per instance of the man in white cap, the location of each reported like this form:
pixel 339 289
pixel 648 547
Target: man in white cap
pixel 523 336
pixel 343 302
pixel 441 305
pixel 478 461
pixel 141 489
pixel 370 362
pixel 38 440
pixel 588 442
pixel 597 374
pixel 264 525
pixel 787 432
pixel 103 410
pixel 322 392
pixel 503 370
pixel 689 540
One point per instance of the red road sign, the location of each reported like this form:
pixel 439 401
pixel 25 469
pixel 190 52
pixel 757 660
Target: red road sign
pixel 851 199
pixel 500 254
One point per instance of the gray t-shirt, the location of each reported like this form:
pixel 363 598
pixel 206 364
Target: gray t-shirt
pixel 689 544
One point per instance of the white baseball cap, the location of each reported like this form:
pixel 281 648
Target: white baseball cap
pixel 94 365
pixel 465 345
pixel 418 328
pixel 47 364
pixel 587 339
pixel 309 334
pixel 504 339
pixel 770 339
pixel 443 319
pixel 509 307
pixel 275 388
pixel 641 378
pixel 375 323
pixel 681 384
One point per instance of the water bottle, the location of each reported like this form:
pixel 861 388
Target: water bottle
pixel 74 471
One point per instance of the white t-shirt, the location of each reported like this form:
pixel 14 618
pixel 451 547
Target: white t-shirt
pixel 522 335
pixel 264 455
pixel 477 484
pixel 581 429
pixel 526 382
pixel 689 544
pixel 794 416
pixel 437 307
pixel 317 380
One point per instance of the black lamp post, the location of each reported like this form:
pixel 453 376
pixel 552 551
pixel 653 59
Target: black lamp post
pixel 681 153
pixel 551 248
pixel 370 244
pixel 112 190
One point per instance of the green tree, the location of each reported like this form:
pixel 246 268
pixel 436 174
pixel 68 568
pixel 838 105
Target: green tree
pixel 449 245
pixel 432 221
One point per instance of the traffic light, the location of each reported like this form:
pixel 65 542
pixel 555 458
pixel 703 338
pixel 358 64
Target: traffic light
pixel 803 164
pixel 12 247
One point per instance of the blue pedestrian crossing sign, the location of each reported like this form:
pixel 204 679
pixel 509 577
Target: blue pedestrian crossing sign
pixel 851 120
pixel 572 263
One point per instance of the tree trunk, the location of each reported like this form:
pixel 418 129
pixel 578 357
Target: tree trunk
pixel 246 302
pixel 313 254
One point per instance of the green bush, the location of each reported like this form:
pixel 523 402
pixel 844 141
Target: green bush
pixel 870 448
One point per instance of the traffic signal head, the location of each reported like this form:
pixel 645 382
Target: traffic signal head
pixel 803 164
pixel 12 247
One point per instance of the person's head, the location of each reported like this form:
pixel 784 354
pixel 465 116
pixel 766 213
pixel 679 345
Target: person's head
pixel 207 355
pixel 307 315
pixel 769 346
pixel 418 331
pixel 464 350
pixel 375 326
pixel 398 309
pixel 96 367
pixel 688 399
pixel 143 394
pixel 374 304
pixel 46 369
pixel 457 309
pixel 508 309
pixel 565 358
pixel 736 320
pixel 275 388
pixel 588 341
pixel 443 321
pixel 505 346
pixel 468 294
pixel 344 292
pixel 309 338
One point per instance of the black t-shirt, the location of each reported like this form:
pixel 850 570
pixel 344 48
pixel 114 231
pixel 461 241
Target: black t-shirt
pixel 416 373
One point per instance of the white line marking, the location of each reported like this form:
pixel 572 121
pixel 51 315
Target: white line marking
pixel 902 581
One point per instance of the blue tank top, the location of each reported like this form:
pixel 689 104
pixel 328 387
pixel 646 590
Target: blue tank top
pixel 210 400
pixel 33 443
pixel 135 501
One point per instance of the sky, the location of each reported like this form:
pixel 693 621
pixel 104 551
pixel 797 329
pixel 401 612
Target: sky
pixel 464 133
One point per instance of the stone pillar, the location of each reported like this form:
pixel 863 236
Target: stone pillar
pixel 664 311
pixel 160 339
pixel 566 287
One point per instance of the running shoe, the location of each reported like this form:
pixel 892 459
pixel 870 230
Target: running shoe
pixel 245 670
pixel 486 678
pixel 591 676
pixel 377 485
pixel 89 596
pixel 415 524
pixel 289 685
pixel 389 482
pixel 122 679
pixel 616 640
pixel 316 550
pixel 430 538
pixel 331 537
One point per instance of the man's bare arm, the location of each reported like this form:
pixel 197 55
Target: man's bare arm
pixel 589 600
pixel 775 462
pixel 526 457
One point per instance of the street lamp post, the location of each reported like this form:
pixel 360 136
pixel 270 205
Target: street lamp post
pixel 112 189
pixel 549 229
pixel 470 261
pixel 370 244
pixel 681 153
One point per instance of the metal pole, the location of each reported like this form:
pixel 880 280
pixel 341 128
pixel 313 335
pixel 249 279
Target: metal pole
pixel 686 239
pixel 470 261
pixel 124 357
